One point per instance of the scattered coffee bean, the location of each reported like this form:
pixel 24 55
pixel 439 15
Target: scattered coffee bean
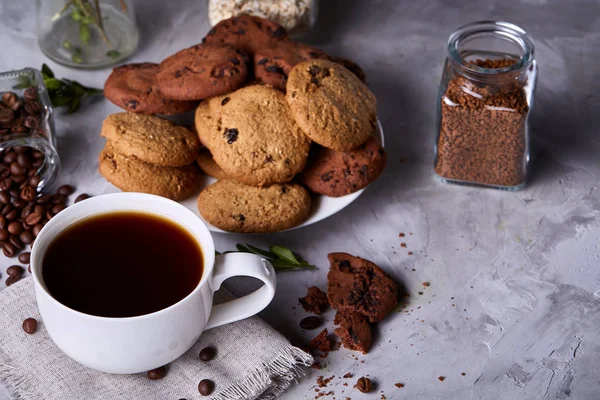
pixel 16 169
pixel 5 184
pixel 18 203
pixel 13 193
pixel 65 190
pixel 9 250
pixel 30 326
pixel 45 199
pixel 58 208
pixel 36 230
pixel 4 235
pixel 24 257
pixel 13 215
pixel 33 218
pixel 3 222
pixel 364 385
pixel 157 373
pixel 10 157
pixel 16 242
pixel 34 181
pixel 28 193
pixel 59 199
pixel 15 227
pixel 14 270
pixel 7 208
pixel 81 197
pixel 12 279
pixel 310 323
pixel 207 353
pixel 206 387
pixel 28 209
pixel 4 198
pixel 27 237
pixel 38 208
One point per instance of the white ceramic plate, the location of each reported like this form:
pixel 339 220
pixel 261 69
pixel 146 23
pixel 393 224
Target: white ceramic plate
pixel 322 206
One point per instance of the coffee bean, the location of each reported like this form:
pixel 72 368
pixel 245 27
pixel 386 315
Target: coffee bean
pixel 364 385
pixel 207 353
pixel 59 199
pixel 37 163
pixel 6 115
pixel 13 192
pixel 309 323
pixel 15 227
pixel 30 325
pixel 13 215
pixel 7 208
pixel 33 218
pixel 10 157
pixel 17 105
pixel 18 203
pixel 4 235
pixel 206 387
pixel 4 172
pixel 27 237
pixel 28 193
pixel 34 181
pixel 65 190
pixel 3 222
pixel 31 122
pixel 18 179
pixel 28 209
pixel 16 242
pixel 12 279
pixel 36 230
pixel 16 169
pixel 24 257
pixel 40 209
pixel 29 268
pixel 5 184
pixel 45 199
pixel 4 198
pixel 14 270
pixel 38 155
pixel 30 93
pixel 157 373
pixel 23 160
pixel 9 250
pixel 49 214
pixel 9 98
pixel 58 208
pixel 81 197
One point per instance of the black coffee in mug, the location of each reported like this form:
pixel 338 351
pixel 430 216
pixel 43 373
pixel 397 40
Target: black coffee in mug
pixel 122 264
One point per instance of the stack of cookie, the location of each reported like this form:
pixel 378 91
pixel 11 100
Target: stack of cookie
pixel 278 119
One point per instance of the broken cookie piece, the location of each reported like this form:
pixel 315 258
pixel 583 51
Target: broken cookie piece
pixel 315 301
pixel 321 342
pixel 356 285
pixel 354 331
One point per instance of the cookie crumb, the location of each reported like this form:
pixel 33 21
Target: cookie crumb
pixel 441 378
pixel 401 234
pixel 426 284
pixel 463 374
pixel 348 375
pixel 315 301
pixel 403 244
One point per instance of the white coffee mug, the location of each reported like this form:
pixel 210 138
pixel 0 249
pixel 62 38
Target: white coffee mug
pixel 138 344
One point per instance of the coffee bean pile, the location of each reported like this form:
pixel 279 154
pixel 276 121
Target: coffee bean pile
pixel 483 127
pixel 23 211
pixel 21 115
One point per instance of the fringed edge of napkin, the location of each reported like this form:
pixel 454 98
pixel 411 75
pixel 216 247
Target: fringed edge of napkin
pixel 269 380
pixel 14 381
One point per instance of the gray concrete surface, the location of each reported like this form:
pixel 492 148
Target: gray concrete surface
pixel 514 301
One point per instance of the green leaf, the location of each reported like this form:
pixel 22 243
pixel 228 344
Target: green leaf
pixel 66 45
pixel 217 253
pixel 282 265
pixel 76 15
pixel 74 106
pixel 52 84
pixel 113 54
pixel 47 72
pixel 242 249
pixel 285 254
pixel 261 252
pixel 60 100
pixel 84 33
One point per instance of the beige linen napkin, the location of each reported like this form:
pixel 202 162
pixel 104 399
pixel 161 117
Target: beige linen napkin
pixel 253 361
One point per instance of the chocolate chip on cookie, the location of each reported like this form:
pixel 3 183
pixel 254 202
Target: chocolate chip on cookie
pixel 235 207
pixel 335 173
pixel 151 139
pixel 247 33
pixel 331 105
pixel 272 65
pixel 356 285
pixel 354 331
pixel 202 71
pixel 133 88
pixel 252 135
pixel 132 175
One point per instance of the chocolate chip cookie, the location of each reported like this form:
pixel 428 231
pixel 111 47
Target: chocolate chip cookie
pixel 331 105
pixel 272 65
pixel 132 175
pixel 247 33
pixel 133 88
pixel 235 207
pixel 252 135
pixel 202 71
pixel 207 164
pixel 335 173
pixel 151 139
pixel 356 285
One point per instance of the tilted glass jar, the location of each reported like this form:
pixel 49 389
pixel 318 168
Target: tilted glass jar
pixel 485 99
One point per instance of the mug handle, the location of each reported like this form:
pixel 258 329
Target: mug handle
pixel 241 264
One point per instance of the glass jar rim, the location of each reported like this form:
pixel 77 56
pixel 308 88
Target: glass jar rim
pixel 507 30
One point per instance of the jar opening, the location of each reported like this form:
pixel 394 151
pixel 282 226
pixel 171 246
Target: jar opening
pixel 474 43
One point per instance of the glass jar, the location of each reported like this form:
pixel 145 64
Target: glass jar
pixel 296 16
pixel 26 120
pixel 87 33
pixel 486 96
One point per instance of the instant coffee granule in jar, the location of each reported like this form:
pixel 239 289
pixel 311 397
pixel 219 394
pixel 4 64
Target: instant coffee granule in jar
pixel 485 101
